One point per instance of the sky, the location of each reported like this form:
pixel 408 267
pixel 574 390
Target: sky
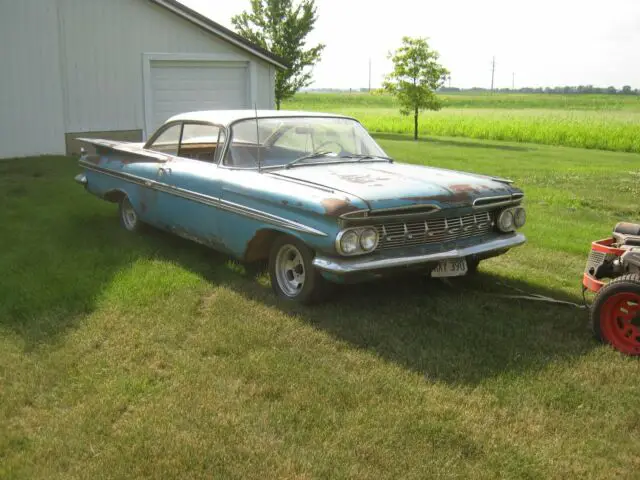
pixel 537 44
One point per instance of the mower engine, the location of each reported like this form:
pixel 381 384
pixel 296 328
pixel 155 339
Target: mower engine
pixel 613 273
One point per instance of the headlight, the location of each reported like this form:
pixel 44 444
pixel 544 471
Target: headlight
pixel 357 240
pixel 368 239
pixel 519 217
pixel 505 221
pixel 349 242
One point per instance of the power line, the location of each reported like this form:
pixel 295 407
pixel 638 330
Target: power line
pixel 493 71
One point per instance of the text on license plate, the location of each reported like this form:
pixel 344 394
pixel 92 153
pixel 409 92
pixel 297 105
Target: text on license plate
pixel 450 268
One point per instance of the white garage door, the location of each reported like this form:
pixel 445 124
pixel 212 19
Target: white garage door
pixel 178 87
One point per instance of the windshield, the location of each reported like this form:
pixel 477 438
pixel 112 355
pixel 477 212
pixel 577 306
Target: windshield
pixel 300 140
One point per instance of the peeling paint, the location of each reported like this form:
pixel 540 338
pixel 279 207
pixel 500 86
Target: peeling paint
pixel 366 179
pixel 334 207
pixel 210 240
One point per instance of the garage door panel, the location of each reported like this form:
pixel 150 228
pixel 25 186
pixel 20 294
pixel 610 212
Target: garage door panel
pixel 178 88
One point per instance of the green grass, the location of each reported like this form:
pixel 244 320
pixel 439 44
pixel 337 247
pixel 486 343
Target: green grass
pixel 126 356
pixel 606 122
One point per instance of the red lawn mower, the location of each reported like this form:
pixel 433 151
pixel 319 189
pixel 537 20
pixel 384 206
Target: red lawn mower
pixel 613 273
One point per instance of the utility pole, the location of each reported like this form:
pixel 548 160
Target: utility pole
pixel 369 74
pixel 513 81
pixel 493 71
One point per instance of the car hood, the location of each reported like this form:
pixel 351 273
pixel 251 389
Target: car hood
pixel 390 185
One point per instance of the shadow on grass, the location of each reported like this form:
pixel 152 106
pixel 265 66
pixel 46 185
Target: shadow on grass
pixel 64 248
pixel 459 333
pixel 452 142
pixel 60 248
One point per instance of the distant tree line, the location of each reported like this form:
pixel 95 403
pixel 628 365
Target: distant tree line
pixel 566 90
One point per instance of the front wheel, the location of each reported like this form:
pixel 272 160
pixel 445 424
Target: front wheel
pixel 293 276
pixel 615 314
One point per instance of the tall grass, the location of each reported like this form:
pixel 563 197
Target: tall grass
pixel 578 125
pixel 475 100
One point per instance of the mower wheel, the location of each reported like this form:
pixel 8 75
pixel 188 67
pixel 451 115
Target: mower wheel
pixel 615 314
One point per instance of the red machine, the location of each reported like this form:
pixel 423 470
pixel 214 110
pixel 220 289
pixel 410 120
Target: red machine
pixel 613 273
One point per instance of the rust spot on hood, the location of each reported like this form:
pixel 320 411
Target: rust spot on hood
pixel 460 193
pixel 334 207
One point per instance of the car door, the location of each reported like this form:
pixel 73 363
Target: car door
pixel 189 185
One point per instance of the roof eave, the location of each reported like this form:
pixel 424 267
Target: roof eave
pixel 220 31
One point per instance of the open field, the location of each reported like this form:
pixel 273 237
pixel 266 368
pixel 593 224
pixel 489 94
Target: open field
pixel 607 122
pixel 475 100
pixel 124 356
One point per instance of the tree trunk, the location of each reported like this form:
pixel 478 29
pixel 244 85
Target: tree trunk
pixel 415 124
pixel 277 104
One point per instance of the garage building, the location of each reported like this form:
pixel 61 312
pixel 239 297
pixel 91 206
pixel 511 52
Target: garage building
pixel 117 69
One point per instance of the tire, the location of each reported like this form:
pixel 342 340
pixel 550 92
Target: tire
pixel 129 218
pixel 293 276
pixel 615 314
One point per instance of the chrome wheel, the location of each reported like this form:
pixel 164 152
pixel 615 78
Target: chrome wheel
pixel 129 215
pixel 289 270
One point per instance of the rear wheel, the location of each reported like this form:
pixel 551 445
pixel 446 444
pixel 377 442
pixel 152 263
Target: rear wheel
pixel 615 314
pixel 293 276
pixel 129 218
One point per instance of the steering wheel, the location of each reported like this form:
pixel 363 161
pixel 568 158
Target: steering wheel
pixel 320 148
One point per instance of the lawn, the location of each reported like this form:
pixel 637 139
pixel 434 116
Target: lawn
pixel 606 122
pixel 125 356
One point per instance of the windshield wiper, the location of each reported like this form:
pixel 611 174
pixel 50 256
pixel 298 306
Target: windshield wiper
pixel 308 156
pixel 365 156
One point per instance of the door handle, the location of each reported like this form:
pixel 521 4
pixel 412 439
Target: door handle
pixel 164 171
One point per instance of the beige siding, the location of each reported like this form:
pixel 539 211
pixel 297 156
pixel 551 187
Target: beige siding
pixel 31 117
pixel 103 45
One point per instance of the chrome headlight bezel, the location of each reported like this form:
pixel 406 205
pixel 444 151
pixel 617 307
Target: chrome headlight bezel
pixel 519 217
pixel 358 231
pixel 352 239
pixel 506 221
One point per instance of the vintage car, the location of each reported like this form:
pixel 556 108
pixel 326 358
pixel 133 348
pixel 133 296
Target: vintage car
pixel 311 193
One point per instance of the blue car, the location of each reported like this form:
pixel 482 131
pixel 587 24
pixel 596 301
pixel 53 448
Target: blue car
pixel 311 193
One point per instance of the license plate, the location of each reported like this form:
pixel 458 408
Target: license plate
pixel 450 268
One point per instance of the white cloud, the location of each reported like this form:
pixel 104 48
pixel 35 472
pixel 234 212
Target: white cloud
pixel 547 42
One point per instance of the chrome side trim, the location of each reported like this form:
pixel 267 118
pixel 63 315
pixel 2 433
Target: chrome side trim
pixel 353 265
pixel 207 200
pixel 492 200
pixel 498 201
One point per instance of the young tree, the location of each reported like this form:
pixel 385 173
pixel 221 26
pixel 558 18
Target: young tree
pixel 415 78
pixel 281 27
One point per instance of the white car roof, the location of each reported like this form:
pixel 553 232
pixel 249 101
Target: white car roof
pixel 226 117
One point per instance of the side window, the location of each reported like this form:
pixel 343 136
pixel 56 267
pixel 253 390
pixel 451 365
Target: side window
pixel 199 142
pixel 168 140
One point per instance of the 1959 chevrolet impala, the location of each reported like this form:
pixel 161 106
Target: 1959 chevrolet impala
pixel 311 193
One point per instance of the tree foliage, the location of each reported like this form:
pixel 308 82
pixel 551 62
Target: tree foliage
pixel 281 27
pixel 415 78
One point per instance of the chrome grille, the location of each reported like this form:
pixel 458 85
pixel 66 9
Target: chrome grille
pixel 595 260
pixel 436 230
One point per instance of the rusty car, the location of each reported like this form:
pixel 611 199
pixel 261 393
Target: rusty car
pixel 311 195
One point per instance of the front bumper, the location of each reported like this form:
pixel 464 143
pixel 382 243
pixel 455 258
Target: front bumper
pixel 344 266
